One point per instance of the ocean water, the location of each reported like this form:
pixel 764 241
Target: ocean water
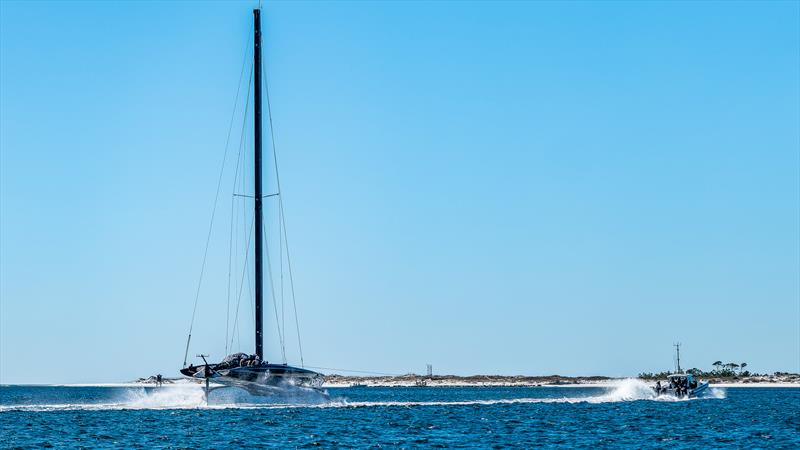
pixel 627 415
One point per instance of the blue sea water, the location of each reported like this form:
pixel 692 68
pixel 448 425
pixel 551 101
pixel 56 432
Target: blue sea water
pixel 176 417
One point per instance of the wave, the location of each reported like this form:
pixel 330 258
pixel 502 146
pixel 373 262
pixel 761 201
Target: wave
pixel 634 389
pixel 191 396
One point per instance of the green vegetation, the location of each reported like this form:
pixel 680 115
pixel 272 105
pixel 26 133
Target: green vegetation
pixel 721 370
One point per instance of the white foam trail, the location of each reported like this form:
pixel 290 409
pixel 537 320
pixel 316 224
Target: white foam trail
pixel 628 390
pixel 717 393
pixel 634 389
pixel 191 396
pixel 172 397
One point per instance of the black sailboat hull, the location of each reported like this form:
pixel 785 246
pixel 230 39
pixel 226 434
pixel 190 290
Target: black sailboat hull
pixel 257 378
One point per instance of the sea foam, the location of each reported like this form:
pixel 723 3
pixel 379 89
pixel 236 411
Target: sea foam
pixel 191 396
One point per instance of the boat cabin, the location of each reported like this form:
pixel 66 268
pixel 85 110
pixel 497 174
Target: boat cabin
pixel 682 380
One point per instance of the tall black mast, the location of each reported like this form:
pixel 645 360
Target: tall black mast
pixel 257 178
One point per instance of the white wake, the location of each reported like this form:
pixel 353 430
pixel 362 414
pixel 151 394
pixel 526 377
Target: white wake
pixel 191 396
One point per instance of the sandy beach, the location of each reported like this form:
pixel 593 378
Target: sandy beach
pixel 412 380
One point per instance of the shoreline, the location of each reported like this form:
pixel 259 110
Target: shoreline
pixel 411 380
pixel 568 386
pixel 336 385
pixel 456 381
pixel 328 385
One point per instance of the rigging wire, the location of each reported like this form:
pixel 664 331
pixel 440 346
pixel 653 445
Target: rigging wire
pixel 240 223
pixel 242 141
pixel 250 297
pixel 230 259
pixel 242 283
pixel 245 210
pixel 245 271
pixel 280 269
pixel 214 209
pixel 274 302
pixel 231 245
pixel 281 213
pixel 291 284
pixel 245 235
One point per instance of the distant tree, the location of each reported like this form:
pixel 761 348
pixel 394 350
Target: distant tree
pixel 654 376
pixel 742 366
pixel 717 365
pixel 727 370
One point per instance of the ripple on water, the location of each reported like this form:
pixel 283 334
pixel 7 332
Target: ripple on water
pixel 413 417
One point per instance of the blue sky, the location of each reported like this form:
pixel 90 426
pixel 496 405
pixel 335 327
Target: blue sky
pixel 516 188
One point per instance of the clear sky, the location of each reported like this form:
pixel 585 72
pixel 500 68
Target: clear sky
pixel 516 188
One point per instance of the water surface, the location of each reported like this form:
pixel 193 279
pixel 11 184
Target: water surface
pixel 176 417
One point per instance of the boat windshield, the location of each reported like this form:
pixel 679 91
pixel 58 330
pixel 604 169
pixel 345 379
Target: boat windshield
pixel 682 380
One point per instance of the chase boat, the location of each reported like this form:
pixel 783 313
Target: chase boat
pixel 680 384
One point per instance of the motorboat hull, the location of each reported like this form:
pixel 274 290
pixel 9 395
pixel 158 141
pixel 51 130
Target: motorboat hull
pixel 681 393
pixel 699 390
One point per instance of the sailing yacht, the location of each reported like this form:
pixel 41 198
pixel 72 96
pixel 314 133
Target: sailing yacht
pixel 252 372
